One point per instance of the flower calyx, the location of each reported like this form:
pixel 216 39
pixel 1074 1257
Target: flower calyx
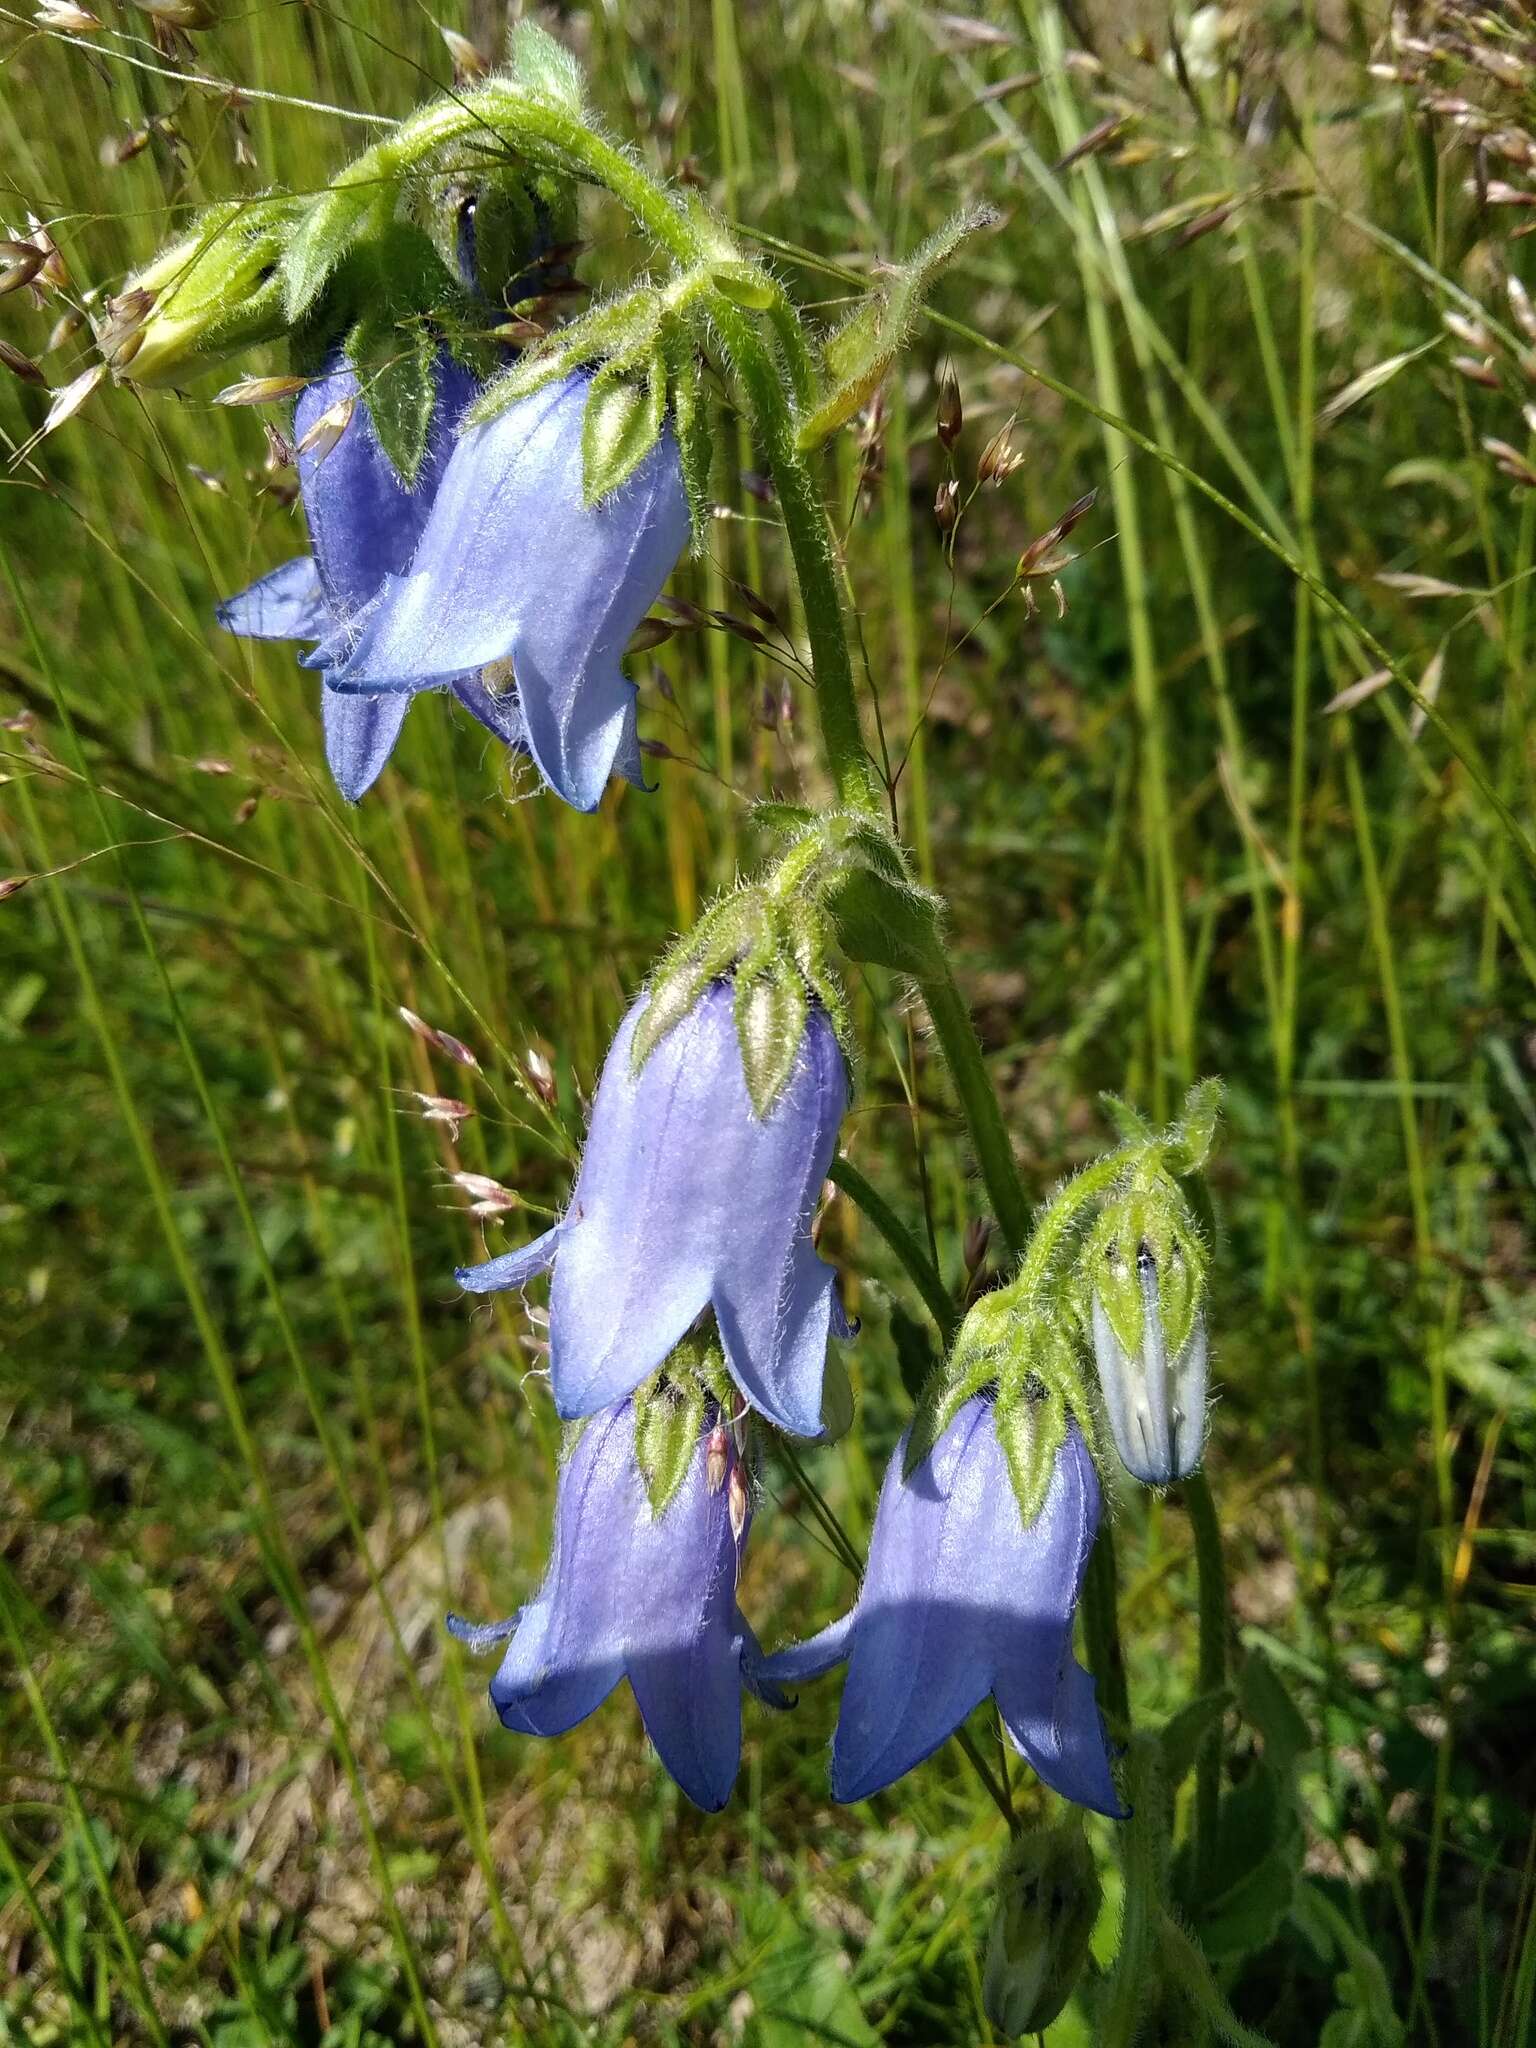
pixel 857 358
pixel 882 914
pixel 1017 1348
pixel 690 1394
pixel 773 946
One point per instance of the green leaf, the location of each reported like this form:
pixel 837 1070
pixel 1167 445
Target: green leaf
pixel 886 924
pixel 623 326
pixel 774 816
pixel 351 210
pixel 1269 1709
pixel 914 1352
pixel 859 355
pixel 1257 1862
pixel 695 443
pixel 722 937
pixel 1197 1124
pixel 669 1421
pixel 771 1013
pixel 620 427
pixel 1128 1121
pixel 1182 1734
pixel 836 1399
pixel 801 1992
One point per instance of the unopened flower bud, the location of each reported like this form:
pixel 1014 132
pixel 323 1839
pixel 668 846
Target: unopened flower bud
pixel 1147 1317
pixel 1048 1897
pixel 736 1501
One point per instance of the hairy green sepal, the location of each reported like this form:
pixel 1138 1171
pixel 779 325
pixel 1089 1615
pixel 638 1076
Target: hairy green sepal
pixel 671 1411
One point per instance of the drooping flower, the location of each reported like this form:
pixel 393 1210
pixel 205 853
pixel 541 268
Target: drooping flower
pixel 364 525
pixel 633 1594
pixel 515 567
pixel 688 1200
pixel 1150 1346
pixel 960 1599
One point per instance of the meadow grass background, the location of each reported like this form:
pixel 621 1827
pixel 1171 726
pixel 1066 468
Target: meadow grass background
pixel 254 1442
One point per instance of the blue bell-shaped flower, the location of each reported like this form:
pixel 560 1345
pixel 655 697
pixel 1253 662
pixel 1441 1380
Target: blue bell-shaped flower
pixel 516 573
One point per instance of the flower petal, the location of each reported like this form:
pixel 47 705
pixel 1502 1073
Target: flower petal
pixel 634 1265
pixel 772 1294
pixel 360 735
pixel 457 607
pixel 1046 1699
pixel 817 1655
pixel 920 1658
pixel 497 710
pixel 285 604
pixel 512 1269
pixel 684 1653
pixel 568 1652
pixel 363 523
pixel 514 563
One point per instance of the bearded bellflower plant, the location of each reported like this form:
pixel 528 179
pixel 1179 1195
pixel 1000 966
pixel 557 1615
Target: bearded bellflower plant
pixel 641 1585
pixel 689 1200
pixel 519 581
pixel 961 1599
pixel 498 527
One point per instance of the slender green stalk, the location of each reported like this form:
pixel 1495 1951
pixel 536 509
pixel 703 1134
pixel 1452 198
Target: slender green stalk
pixel 956 1033
pixel 1212 1576
pixel 918 1266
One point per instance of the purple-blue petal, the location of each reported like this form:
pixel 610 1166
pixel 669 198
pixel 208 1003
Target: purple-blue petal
pixel 687 1198
pixel 360 735
pixel 628 1592
pixel 685 1651
pixel 568 1652
pixel 959 1600
pixel 285 604
pixel 497 710
pixel 364 524
pixel 513 565
pixel 919 1657
pixel 511 1269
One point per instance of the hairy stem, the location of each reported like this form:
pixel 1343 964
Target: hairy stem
pixel 1212 1575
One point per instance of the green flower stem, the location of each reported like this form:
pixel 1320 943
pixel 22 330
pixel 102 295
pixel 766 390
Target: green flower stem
pixel 1212 1576
pixel 978 1101
pixel 919 1268
pixel 1143 1854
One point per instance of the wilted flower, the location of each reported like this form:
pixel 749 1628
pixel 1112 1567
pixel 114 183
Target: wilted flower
pixel 637 1595
pixel 515 567
pixel 363 526
pixel 688 1200
pixel 960 1599
pixel 1150 1346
